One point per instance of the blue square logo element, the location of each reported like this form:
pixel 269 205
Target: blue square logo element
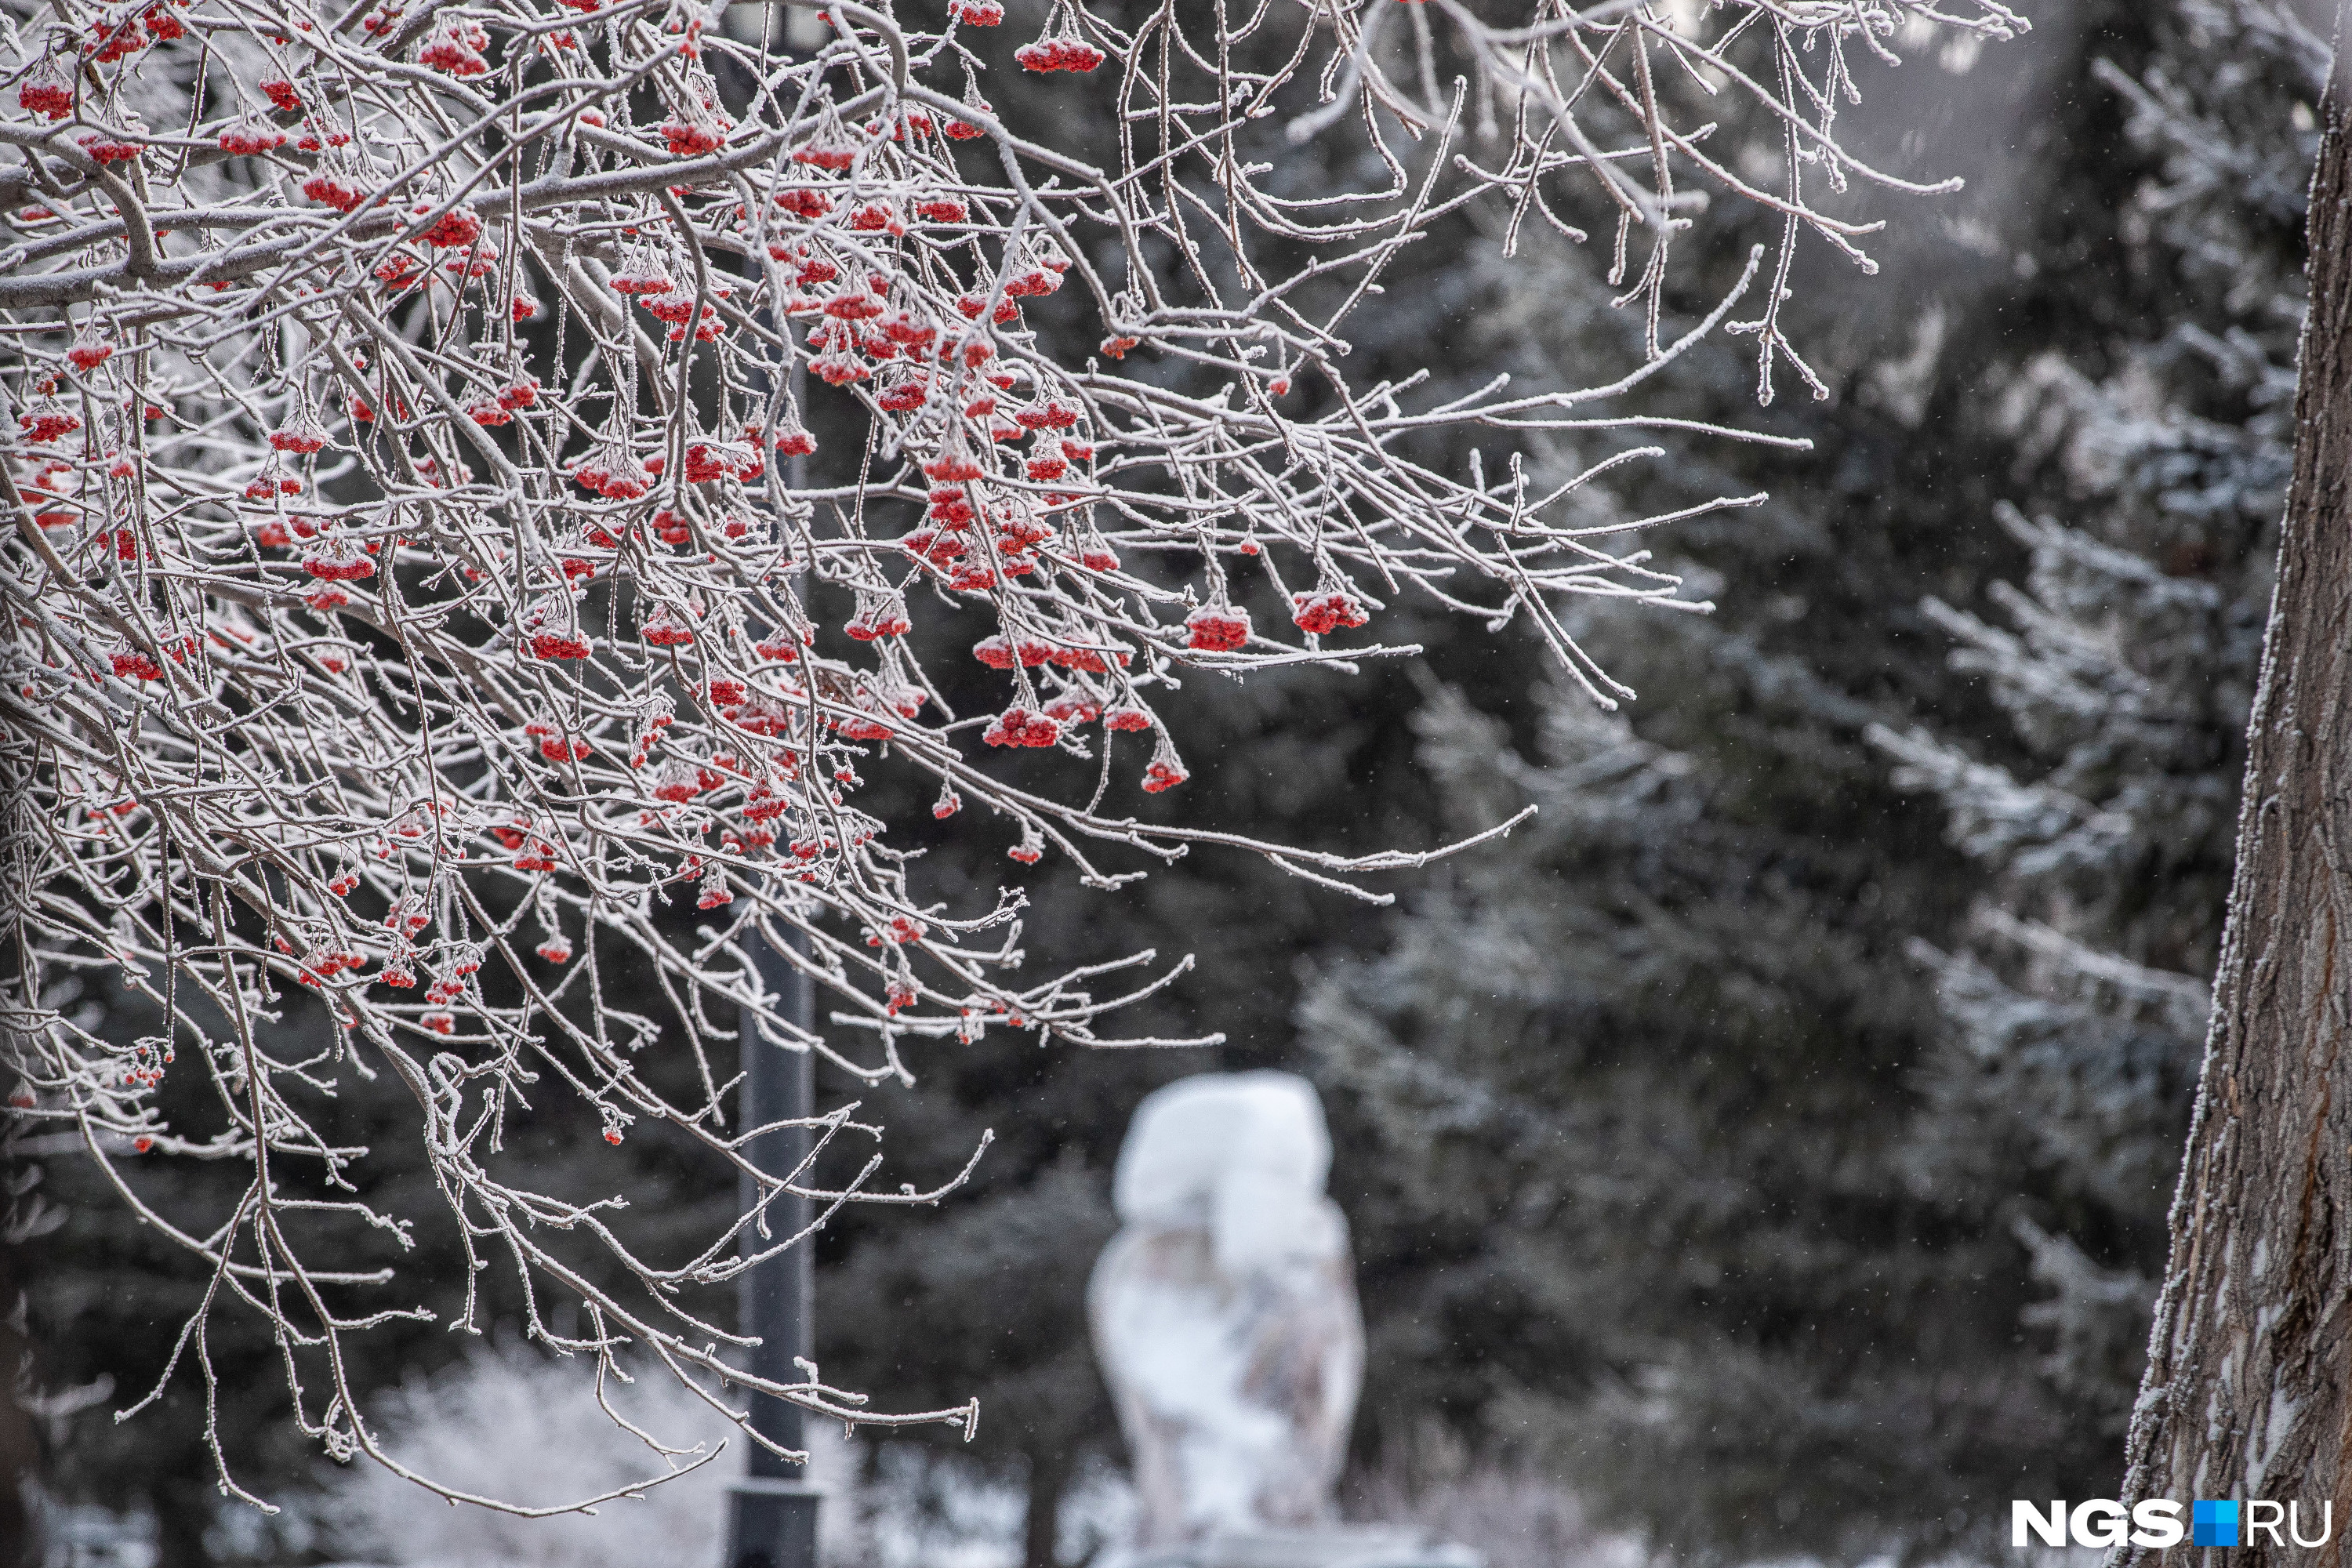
pixel 2213 1524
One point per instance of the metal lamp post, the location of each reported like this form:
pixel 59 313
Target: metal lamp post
pixel 772 1519
pixel 772 1512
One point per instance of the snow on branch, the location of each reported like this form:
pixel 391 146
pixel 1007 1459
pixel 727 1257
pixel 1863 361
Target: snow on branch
pixel 424 585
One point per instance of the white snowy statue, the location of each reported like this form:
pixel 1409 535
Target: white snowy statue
pixel 1224 1312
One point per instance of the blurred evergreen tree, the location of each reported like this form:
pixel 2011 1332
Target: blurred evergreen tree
pixel 1799 1177
pixel 2124 668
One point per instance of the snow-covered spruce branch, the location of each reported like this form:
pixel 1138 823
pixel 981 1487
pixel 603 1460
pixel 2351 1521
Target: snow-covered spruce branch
pixel 414 579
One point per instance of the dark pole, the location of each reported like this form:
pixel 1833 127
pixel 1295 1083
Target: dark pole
pixel 771 1519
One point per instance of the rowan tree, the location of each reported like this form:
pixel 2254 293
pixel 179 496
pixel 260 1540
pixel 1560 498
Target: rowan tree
pixel 424 584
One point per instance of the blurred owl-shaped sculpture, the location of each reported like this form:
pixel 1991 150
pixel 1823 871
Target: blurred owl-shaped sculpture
pixel 1225 1311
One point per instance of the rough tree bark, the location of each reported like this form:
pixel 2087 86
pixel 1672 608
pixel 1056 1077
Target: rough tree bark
pixel 2249 1385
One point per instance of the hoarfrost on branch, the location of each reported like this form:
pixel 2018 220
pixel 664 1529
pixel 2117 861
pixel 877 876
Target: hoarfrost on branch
pixel 417 594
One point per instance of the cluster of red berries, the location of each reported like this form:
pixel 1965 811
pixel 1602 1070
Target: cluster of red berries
pixel 124 38
pixel 690 137
pixel 1327 611
pixel 708 460
pixel 1214 628
pixel 88 351
pixel 479 261
pixel 678 308
pixel 1038 281
pixel 613 474
pixel 762 804
pixel 555 746
pixel 338 560
pixel 763 715
pixel 458 227
pixel 654 725
pixel 398 271
pixel 997 653
pixel 46 420
pixel 323 964
pixel 971 305
pixel 335 188
pixel 1017 726
pixel 680 781
pixel 902 929
pixel 808 205
pixel 830 150
pixel 510 400
pixel 457 49
pixel 1063 54
pixel 664 629
pixel 109 147
pixel 251 137
pixel 280 533
pixel 938 546
pixel 115 42
pixel 47 91
pixel 881 617
pixel 557 646
pixel 302 438
pixel 271 481
pixel 905 394
pixel 879 218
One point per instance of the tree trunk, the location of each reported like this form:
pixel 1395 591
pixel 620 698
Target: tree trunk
pixel 2249 1386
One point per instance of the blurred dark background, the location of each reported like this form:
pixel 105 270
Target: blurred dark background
pixel 1770 1143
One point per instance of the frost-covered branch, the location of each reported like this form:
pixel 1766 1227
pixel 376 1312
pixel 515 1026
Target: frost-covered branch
pixel 422 572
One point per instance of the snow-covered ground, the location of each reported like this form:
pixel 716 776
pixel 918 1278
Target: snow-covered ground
pixel 517 1425
pixel 522 1426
